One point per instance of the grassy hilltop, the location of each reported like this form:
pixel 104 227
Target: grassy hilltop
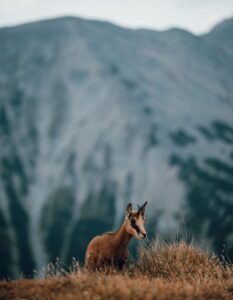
pixel 177 271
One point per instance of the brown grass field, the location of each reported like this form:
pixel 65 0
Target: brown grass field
pixel 176 271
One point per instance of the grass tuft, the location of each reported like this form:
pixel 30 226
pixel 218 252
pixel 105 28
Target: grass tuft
pixel 180 261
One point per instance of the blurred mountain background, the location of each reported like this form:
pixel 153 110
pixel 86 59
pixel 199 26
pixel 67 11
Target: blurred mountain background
pixel 94 116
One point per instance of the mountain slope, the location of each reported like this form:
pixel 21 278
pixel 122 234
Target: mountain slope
pixel 94 116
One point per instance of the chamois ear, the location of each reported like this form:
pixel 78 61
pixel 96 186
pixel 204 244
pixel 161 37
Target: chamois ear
pixel 142 208
pixel 128 209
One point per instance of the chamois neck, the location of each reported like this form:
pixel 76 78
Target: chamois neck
pixel 122 237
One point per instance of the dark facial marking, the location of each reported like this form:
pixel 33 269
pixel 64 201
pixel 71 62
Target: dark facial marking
pixel 134 225
pixel 133 221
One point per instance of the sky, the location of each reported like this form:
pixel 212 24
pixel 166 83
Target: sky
pixel 198 16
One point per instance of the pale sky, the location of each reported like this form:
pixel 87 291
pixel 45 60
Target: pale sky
pixel 197 16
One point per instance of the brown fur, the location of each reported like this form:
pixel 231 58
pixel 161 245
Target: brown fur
pixel 111 249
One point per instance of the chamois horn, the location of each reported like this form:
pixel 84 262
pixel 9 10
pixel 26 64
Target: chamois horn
pixel 141 209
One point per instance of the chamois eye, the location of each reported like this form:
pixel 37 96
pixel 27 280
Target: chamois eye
pixel 133 221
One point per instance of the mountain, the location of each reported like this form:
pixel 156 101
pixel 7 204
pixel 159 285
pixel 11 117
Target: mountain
pixel 94 116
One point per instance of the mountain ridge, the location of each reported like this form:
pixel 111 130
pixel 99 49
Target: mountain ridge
pixel 224 23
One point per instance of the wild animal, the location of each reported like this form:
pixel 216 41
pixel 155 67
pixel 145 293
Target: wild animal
pixel 111 248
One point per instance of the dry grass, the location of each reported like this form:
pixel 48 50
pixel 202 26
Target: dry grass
pixel 182 262
pixel 177 271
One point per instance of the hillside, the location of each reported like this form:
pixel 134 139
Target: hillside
pixel 178 271
pixel 94 116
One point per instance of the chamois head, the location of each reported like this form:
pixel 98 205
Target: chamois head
pixel 134 221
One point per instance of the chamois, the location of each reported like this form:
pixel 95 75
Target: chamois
pixel 111 248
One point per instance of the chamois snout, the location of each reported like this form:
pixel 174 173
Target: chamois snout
pixel 135 221
pixel 142 235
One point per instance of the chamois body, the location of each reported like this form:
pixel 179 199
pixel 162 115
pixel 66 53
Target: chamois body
pixel 111 248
